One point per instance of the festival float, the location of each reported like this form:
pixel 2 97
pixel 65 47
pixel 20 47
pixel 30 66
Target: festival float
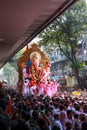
pixel 34 73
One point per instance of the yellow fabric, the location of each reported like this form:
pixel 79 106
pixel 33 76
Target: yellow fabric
pixel 76 93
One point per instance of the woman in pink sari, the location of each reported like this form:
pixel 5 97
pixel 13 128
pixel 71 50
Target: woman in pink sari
pixel 54 87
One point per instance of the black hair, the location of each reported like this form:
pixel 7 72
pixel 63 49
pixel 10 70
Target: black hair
pixel 84 125
pixel 4 122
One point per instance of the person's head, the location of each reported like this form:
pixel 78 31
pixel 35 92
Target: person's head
pixel 56 128
pixel 76 115
pixel 84 126
pixel 68 126
pixel 3 103
pixel 41 122
pixel 61 107
pixel 69 114
pixel 45 128
pixel 82 117
pixel 4 122
pixel 57 116
pixel 77 107
pixel 35 115
pixel 85 108
pixel 23 65
pixel 26 116
pixel 20 125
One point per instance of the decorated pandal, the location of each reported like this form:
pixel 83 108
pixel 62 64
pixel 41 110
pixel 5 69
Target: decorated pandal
pixel 34 73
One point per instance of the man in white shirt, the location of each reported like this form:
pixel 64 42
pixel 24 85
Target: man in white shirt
pixel 56 121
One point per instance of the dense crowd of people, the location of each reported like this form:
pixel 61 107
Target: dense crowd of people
pixel 64 111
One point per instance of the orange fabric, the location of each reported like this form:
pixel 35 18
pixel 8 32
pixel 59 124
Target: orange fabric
pixel 27 46
pixel 32 83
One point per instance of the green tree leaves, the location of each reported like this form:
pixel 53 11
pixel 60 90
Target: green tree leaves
pixel 65 32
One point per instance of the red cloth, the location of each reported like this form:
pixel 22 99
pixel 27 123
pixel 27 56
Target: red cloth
pixel 31 83
pixel 9 107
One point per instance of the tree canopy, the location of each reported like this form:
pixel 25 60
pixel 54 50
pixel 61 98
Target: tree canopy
pixel 66 31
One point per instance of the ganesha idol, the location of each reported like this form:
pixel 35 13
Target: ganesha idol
pixel 33 69
pixel 39 75
pixel 37 72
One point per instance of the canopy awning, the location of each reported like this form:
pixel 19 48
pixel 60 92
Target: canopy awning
pixel 22 20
